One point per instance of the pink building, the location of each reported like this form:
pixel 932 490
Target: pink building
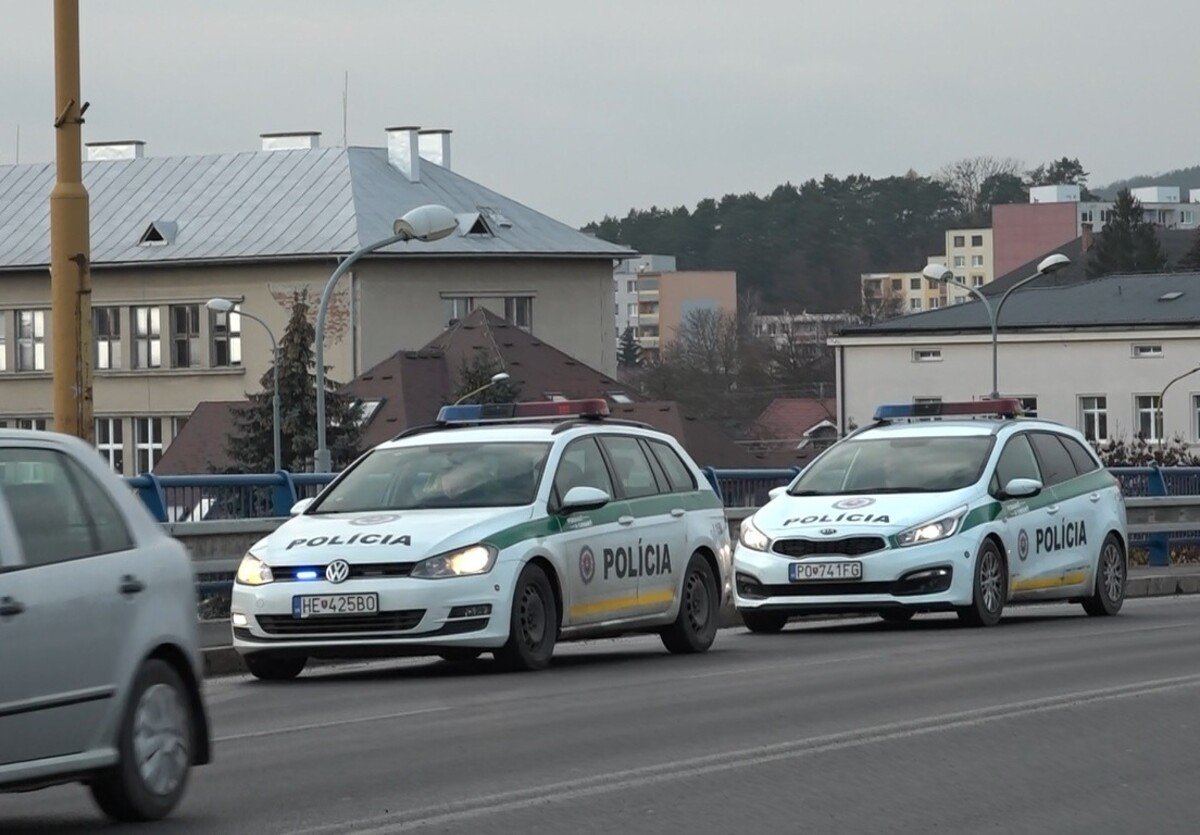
pixel 1023 231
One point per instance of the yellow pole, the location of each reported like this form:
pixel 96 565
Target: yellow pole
pixel 70 275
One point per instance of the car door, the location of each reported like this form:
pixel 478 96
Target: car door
pixel 62 622
pixel 655 537
pixel 1064 538
pixel 589 542
pixel 679 492
pixel 1021 518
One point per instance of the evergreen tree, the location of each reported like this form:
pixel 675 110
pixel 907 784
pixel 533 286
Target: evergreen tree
pixel 629 354
pixel 250 445
pixel 1128 243
pixel 1191 258
pixel 478 372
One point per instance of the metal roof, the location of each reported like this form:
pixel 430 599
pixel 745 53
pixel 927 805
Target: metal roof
pixel 269 205
pixel 1114 301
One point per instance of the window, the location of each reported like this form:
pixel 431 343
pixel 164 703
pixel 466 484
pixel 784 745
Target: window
pixel 961 279
pixel 177 425
pixel 927 355
pixel 677 472
pixel 619 397
pixel 1086 216
pixel 897 284
pixel 632 469
pixel 976 260
pixel 519 311
pixel 914 304
pixel 225 338
pixel 1147 351
pixel 1093 417
pixel 914 283
pixel 147 443
pixel 1083 459
pixel 960 240
pixel 185 335
pixel 1028 406
pixel 457 308
pixel 1016 461
pixel 960 260
pixel 629 286
pixel 927 400
pixel 31 340
pixel 935 303
pixel 977 240
pixel 59 511
pixel 581 465
pixel 1147 415
pixel 976 281
pixel 1187 217
pixel 36 424
pixel 110 440
pixel 1055 461
pixel 3 342
pixel 632 311
pixel 147 337
pixel 106 335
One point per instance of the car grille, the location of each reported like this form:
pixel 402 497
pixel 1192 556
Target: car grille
pixel 830 589
pixel 339 624
pixel 852 546
pixel 358 571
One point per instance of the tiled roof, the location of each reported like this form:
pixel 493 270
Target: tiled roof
pixel 788 418
pixel 200 447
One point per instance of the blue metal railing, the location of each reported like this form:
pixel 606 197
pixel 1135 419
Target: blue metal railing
pixel 206 498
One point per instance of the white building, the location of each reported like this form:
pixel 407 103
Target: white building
pixel 800 328
pixel 1094 355
pixel 1162 205
pixel 625 286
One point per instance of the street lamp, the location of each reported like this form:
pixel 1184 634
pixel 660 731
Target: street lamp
pixel 496 378
pixel 424 223
pixel 1160 422
pixel 939 272
pixel 219 305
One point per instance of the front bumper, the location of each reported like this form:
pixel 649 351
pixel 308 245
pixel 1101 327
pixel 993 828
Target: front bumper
pixel 415 616
pixel 934 577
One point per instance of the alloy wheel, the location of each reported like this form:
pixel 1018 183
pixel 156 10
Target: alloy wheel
pixel 161 738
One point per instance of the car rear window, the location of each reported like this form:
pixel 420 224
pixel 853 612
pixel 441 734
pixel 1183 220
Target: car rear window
pixel 678 473
pixel 1056 462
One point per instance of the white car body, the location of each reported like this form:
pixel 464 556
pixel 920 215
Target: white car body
pixel 616 568
pixel 1051 541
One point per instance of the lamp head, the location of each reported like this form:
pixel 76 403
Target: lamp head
pixel 219 305
pixel 937 272
pixel 500 377
pixel 1053 263
pixel 426 223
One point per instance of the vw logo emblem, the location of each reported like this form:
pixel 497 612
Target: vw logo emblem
pixel 853 504
pixel 587 565
pixel 337 571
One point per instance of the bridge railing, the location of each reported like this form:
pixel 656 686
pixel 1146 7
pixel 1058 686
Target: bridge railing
pixel 216 497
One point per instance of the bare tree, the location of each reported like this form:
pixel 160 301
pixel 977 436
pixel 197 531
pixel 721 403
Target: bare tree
pixel 966 178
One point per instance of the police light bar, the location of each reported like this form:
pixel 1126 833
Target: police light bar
pixel 1009 407
pixel 502 412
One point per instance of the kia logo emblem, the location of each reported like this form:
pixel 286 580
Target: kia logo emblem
pixel 828 531
pixel 337 571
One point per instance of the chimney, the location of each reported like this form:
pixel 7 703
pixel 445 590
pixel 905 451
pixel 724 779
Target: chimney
pixel 1087 239
pixel 404 152
pixel 303 140
pixel 120 149
pixel 435 146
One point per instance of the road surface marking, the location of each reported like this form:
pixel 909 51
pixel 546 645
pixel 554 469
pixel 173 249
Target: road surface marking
pixel 333 723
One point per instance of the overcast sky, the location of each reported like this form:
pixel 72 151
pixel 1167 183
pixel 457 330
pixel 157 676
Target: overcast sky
pixel 582 108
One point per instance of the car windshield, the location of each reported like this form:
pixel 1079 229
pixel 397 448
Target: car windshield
pixel 928 464
pixel 439 476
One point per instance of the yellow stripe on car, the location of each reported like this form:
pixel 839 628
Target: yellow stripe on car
pixel 625 601
pixel 1072 579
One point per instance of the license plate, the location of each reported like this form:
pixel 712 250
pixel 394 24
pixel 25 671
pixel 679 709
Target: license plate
pixel 319 605
pixel 800 572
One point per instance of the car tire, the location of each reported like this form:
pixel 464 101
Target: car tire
pixel 464 655
pixel 897 615
pixel 764 623
pixel 695 627
pixel 989 588
pixel 1112 574
pixel 533 624
pixel 268 667
pixel 156 744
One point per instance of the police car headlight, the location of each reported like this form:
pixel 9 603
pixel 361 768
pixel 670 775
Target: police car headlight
pixel 254 572
pixel 475 559
pixel 933 530
pixel 751 537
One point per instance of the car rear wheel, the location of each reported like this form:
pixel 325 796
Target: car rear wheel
pixel 1111 574
pixel 275 667
pixel 766 623
pixel 897 615
pixel 990 588
pixel 533 625
pixel 156 741
pixel 695 627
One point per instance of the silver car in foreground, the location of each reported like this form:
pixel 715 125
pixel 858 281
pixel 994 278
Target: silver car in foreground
pixel 99 655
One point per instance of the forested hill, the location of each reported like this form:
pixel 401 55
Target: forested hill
pixel 1185 178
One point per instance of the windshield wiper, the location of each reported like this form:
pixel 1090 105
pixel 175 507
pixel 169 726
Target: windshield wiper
pixel 808 493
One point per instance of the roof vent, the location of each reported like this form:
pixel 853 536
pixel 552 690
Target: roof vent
pixel 304 140
pixel 120 149
pixel 495 217
pixel 473 223
pixel 434 145
pixel 159 233
pixel 1170 297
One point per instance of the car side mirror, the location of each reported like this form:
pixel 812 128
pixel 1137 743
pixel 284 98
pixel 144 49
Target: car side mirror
pixel 776 492
pixel 300 506
pixel 1022 488
pixel 579 499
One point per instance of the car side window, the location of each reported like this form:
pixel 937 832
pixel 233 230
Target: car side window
pixel 581 465
pixel 678 473
pixel 1056 463
pixel 632 469
pixel 1016 461
pixel 112 533
pixel 52 522
pixel 1084 461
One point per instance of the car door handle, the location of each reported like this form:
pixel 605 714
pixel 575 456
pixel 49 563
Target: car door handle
pixel 131 585
pixel 677 512
pixel 1052 509
pixel 1095 497
pixel 10 608
pixel 625 520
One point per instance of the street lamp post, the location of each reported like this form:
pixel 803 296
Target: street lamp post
pixel 496 378
pixel 424 223
pixel 939 272
pixel 1160 422
pixel 228 307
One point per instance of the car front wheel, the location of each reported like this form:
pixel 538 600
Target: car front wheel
pixel 275 667
pixel 533 627
pixel 990 588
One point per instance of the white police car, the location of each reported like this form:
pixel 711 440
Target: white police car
pixel 915 515
pixel 502 528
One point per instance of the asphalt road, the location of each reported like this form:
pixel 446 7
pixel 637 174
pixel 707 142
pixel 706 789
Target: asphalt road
pixel 1051 722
